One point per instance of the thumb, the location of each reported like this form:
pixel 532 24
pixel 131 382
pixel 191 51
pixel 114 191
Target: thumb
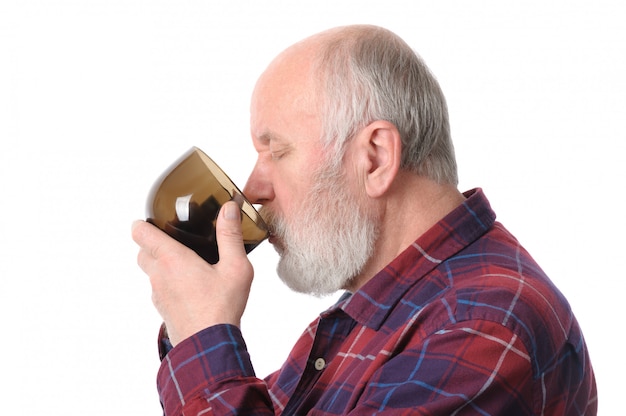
pixel 228 231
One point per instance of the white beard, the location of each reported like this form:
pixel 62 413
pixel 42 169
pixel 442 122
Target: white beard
pixel 327 243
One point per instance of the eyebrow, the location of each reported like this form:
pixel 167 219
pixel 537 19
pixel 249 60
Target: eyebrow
pixel 269 136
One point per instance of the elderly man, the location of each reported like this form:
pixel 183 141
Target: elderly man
pixel 444 312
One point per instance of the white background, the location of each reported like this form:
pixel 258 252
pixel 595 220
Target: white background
pixel 98 97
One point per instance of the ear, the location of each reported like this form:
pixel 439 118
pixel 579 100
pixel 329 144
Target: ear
pixel 379 150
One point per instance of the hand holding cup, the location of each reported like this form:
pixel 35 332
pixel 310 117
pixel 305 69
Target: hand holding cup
pixel 191 202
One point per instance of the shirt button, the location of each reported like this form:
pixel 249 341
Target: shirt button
pixel 320 363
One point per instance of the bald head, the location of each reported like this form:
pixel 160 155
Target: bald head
pixel 296 71
pixel 350 76
pixel 289 76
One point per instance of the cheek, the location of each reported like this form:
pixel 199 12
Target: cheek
pixel 288 202
pixel 292 187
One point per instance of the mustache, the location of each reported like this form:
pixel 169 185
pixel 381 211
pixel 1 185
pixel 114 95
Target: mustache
pixel 276 227
pixel 270 217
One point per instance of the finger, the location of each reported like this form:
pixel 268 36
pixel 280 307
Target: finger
pixel 228 231
pixel 139 235
pixel 149 237
pixel 139 231
pixel 155 247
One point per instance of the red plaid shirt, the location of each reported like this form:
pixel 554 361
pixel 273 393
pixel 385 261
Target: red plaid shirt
pixel 463 322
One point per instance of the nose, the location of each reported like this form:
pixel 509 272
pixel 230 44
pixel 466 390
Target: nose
pixel 258 188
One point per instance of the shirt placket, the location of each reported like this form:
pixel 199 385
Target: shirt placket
pixel 332 330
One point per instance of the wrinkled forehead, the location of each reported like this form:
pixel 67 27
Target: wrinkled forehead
pixel 290 76
pixel 284 94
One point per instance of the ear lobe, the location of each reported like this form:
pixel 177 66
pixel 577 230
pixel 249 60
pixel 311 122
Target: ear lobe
pixel 383 146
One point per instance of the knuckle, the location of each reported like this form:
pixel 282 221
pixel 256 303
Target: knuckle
pixel 230 232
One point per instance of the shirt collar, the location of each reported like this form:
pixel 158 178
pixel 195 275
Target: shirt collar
pixel 371 304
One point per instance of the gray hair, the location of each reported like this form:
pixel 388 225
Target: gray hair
pixel 368 73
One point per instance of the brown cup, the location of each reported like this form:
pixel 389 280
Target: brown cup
pixel 185 201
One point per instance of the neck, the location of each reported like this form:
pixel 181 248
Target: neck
pixel 410 208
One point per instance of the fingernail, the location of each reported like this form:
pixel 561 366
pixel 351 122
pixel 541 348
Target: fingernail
pixel 135 224
pixel 133 229
pixel 238 198
pixel 231 211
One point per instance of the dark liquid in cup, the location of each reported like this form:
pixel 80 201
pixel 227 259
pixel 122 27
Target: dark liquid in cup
pixel 198 230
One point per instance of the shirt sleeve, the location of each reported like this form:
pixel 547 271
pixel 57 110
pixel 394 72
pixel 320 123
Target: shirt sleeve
pixel 211 373
pixel 475 367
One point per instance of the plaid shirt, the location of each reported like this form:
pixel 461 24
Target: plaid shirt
pixel 463 322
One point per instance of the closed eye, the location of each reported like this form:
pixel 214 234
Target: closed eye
pixel 278 152
pixel 277 155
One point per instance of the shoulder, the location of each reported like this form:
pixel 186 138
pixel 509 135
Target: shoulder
pixel 495 280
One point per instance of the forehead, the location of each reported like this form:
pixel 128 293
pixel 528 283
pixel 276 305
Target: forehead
pixel 281 117
pixel 285 94
pixel 290 74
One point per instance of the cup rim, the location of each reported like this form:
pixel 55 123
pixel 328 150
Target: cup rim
pixel 244 204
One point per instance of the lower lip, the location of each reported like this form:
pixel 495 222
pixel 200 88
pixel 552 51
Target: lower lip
pixel 275 241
